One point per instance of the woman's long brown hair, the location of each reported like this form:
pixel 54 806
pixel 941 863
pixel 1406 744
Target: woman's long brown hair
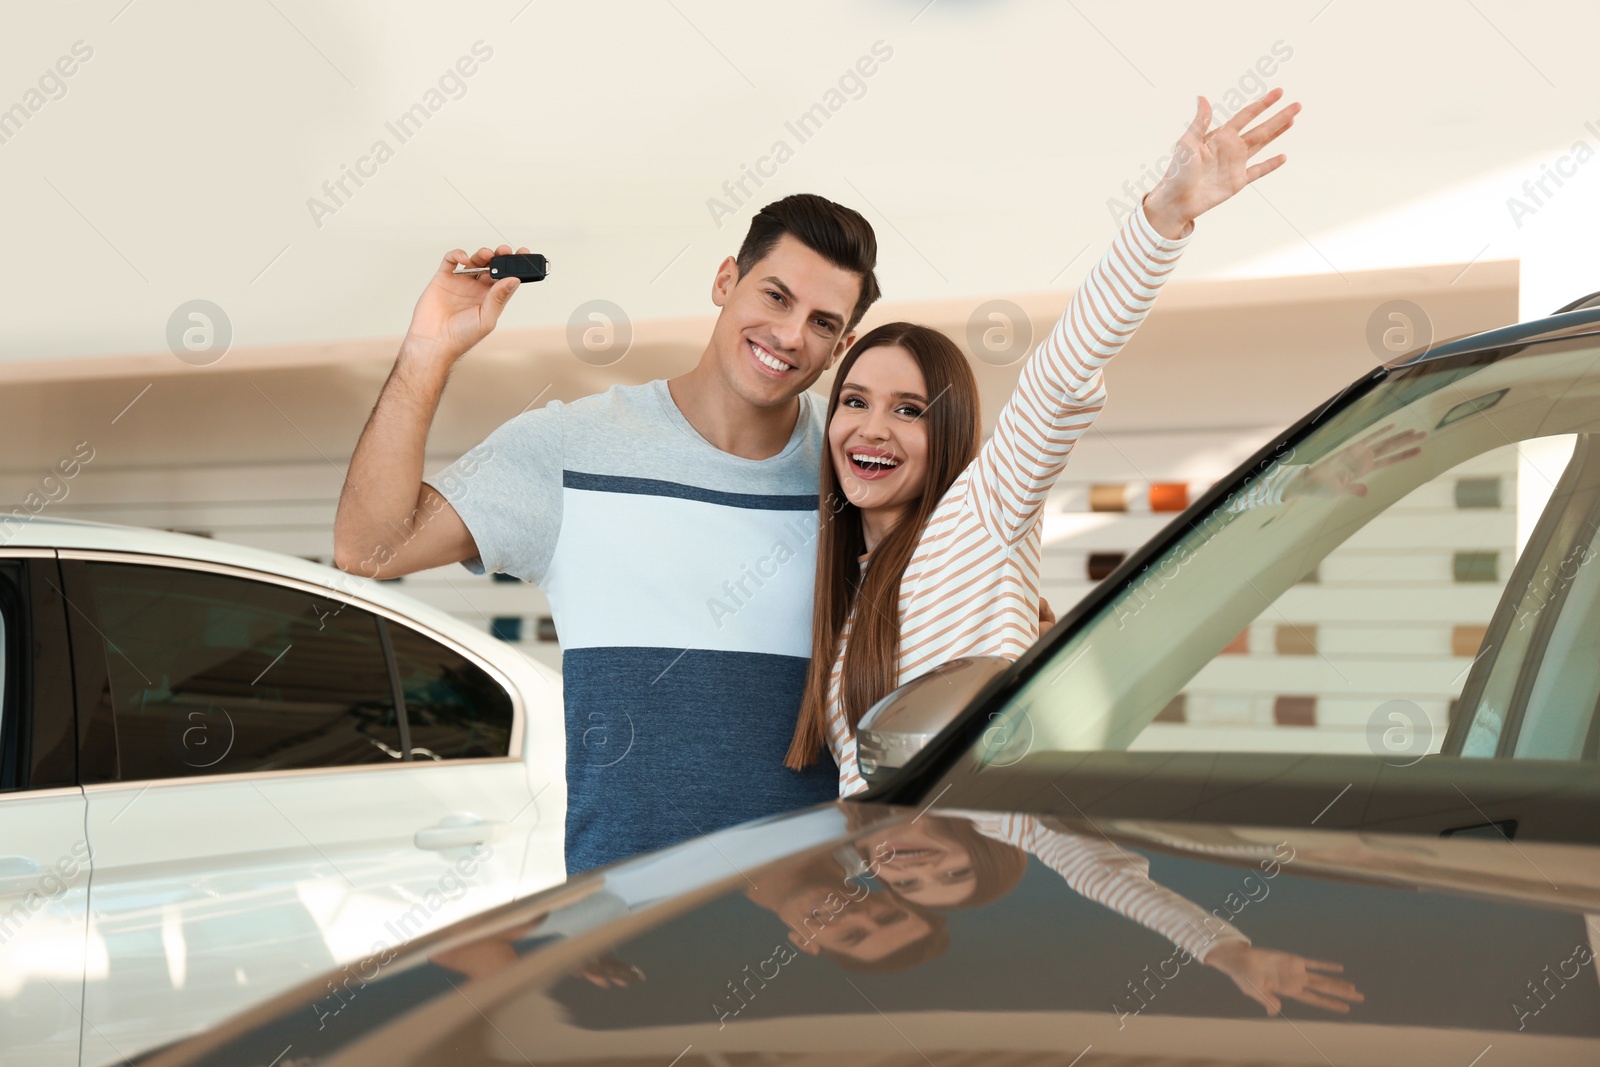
pixel 871 661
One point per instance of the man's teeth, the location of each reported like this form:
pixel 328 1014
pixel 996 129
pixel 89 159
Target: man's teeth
pixel 775 364
pixel 881 461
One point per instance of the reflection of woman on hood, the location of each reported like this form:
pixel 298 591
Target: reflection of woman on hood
pixel 968 861
pixel 832 912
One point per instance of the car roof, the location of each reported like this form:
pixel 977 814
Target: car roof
pixel 39 531
pixel 1581 318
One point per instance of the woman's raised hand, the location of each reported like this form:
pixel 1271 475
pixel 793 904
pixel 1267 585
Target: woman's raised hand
pixel 1266 976
pixel 1209 167
pixel 1342 473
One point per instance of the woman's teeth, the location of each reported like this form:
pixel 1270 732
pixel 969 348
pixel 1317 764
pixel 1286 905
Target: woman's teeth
pixel 875 461
pixel 767 360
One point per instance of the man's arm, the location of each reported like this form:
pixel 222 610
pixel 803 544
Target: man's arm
pixel 388 522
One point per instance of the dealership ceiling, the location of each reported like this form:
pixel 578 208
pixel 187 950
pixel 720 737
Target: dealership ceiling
pixel 304 165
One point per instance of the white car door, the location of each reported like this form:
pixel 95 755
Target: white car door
pixel 44 878
pixel 253 819
pixel 44 856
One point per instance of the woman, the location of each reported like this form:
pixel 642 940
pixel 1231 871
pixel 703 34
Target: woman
pixel 951 532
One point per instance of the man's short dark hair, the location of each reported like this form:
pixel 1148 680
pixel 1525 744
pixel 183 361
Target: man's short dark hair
pixel 832 231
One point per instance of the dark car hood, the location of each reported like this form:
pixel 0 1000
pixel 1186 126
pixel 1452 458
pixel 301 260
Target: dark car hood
pixel 875 934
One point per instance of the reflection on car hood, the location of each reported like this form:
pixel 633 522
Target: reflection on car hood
pixel 889 935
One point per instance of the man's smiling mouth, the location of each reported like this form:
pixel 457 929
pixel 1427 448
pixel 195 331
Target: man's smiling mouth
pixel 768 360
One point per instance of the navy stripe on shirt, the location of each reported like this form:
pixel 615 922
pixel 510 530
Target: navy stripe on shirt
pixel 611 483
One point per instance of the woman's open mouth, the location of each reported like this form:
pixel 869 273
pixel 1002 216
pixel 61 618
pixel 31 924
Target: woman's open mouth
pixel 871 463
pixel 913 857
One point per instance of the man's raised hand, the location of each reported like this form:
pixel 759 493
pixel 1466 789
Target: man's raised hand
pixel 1209 167
pixel 456 311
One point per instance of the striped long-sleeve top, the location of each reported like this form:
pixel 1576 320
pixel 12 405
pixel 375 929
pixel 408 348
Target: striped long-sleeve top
pixel 1113 877
pixel 971 587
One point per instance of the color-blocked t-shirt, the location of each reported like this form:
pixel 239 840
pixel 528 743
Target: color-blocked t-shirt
pixel 680 582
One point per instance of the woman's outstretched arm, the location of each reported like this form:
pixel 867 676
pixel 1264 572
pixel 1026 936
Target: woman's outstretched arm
pixel 1061 388
pixel 1115 878
pixel 1120 880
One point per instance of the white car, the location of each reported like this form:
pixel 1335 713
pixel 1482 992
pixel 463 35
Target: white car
pixel 224 770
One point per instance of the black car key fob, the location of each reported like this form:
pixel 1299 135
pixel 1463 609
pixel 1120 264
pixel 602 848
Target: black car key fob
pixel 524 266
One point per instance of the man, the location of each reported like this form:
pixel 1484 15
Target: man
pixel 672 526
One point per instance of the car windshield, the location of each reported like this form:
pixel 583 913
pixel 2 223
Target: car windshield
pixel 1382 585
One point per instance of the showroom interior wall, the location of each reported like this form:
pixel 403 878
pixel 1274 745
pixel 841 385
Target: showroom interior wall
pixel 249 451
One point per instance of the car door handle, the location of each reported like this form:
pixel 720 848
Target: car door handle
pixel 455 831
pixel 18 874
pixel 17 867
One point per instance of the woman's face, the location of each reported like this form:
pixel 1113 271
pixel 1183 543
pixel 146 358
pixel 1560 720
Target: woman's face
pixel 924 867
pixel 877 438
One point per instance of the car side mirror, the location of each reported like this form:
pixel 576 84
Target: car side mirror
pixel 902 723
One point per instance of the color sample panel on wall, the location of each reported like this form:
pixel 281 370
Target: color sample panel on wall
pixel 1101 564
pixel 1466 640
pixel 1478 493
pixel 1169 496
pixel 1476 566
pixel 1108 497
pixel 1295 711
pixel 1177 710
pixel 1296 640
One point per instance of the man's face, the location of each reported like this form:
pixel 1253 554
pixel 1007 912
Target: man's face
pixel 782 324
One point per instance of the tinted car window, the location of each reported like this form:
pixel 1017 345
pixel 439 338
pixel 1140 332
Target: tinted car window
pixel 1535 687
pixel 212 674
pixel 454 708
pixel 1558 718
pixel 9 600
